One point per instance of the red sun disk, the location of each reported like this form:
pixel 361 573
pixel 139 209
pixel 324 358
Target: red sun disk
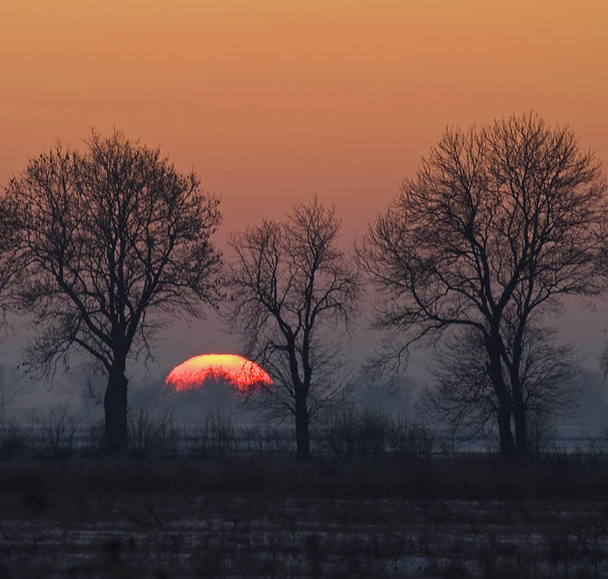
pixel 243 374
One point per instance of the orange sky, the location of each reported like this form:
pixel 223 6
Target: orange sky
pixel 273 101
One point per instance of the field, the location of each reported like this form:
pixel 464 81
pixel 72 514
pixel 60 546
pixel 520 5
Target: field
pixel 457 517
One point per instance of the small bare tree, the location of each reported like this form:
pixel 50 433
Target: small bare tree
pixel 114 242
pixel 292 291
pixel 499 223
pixel 464 395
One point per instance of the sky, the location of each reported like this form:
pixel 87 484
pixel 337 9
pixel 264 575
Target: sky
pixel 271 102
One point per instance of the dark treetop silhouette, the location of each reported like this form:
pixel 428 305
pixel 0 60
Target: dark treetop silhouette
pixel 291 289
pixel 114 242
pixel 499 222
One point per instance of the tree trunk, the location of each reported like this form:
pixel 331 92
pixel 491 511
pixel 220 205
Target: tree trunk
pixel 115 406
pixel 507 445
pixel 519 406
pixel 302 434
pixel 505 403
pixel 521 430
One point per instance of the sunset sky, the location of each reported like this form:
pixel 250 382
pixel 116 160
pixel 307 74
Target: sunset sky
pixel 271 102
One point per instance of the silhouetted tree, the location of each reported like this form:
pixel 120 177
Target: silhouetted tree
pixel 291 289
pixel 465 397
pixel 115 243
pixel 499 223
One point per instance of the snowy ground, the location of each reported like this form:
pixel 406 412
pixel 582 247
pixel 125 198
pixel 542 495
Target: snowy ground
pixel 286 520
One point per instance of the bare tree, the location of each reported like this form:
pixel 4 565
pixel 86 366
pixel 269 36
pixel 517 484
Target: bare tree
pixel 464 395
pixel 292 289
pixel 114 242
pixel 499 223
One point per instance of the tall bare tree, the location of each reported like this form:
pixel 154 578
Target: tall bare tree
pixel 499 223
pixel 114 242
pixel 291 289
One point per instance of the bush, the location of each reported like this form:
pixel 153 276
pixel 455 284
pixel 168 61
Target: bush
pixel 53 432
pixel 215 436
pixel 152 433
pixel 411 440
pixel 348 432
pixel 13 440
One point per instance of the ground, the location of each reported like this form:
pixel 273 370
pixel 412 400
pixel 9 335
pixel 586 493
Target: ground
pixel 253 518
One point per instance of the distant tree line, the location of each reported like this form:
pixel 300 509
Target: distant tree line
pixel 103 247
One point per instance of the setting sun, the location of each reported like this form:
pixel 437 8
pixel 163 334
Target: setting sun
pixel 243 374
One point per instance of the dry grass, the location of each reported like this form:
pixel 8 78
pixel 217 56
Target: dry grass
pixel 246 518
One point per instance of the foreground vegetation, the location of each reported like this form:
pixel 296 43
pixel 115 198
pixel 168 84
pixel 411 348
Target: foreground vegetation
pixel 459 517
pixel 383 497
